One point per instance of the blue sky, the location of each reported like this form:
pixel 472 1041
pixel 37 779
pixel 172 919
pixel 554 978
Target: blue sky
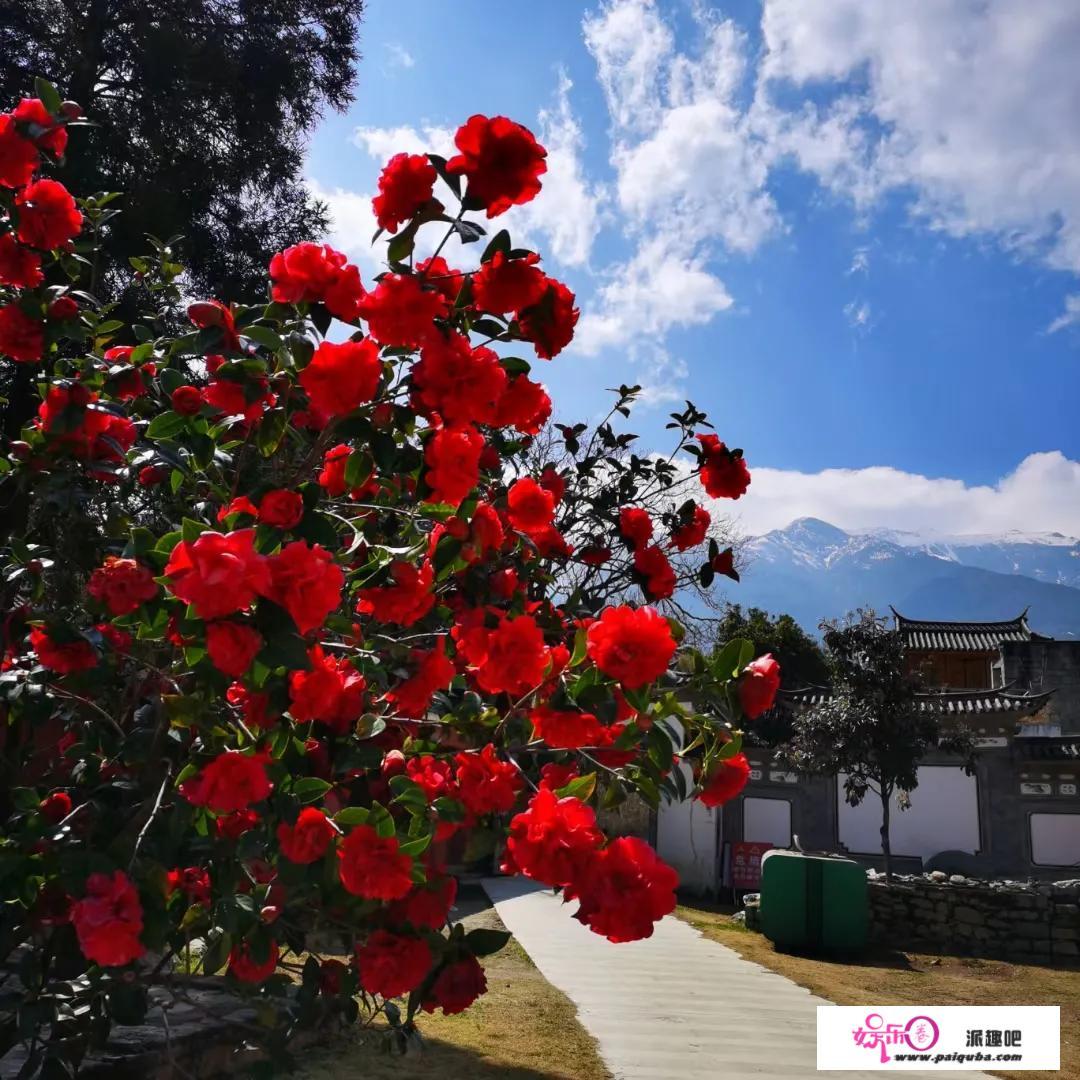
pixel 850 232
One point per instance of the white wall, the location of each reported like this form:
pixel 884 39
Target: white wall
pixel 944 816
pixel 686 837
pixel 1055 839
pixel 767 821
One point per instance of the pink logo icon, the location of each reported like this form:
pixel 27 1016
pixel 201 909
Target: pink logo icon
pixel 920 1033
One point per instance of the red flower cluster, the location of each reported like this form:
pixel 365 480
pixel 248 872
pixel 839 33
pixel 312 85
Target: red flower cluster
pixel 656 573
pixel 342 377
pixel 331 691
pixel 565 729
pixel 552 840
pixel 635 526
pixel 726 779
pixel 231 782
pixel 456 987
pixel 307 840
pixel 512 658
pixel 218 573
pixel 192 881
pixel 486 784
pixel 306 582
pixel 282 509
pixel 122 585
pixel 724 474
pixel 400 311
pixel 19 266
pixel 244 966
pixel 407 601
pixel 691 531
pixel 426 906
pixel 232 646
pixel 392 965
pixel 457 382
pixel 74 423
pixel 310 273
pixel 65 657
pixel 452 456
pixel 47 215
pixel 109 919
pixel 405 185
pixel 631 645
pixel 549 323
pixel 758 686
pixel 433 672
pixel 624 890
pixel 501 160
pixel 371 866
pixel 503 284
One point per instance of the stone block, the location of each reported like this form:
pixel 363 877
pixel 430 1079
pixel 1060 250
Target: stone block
pixel 971 915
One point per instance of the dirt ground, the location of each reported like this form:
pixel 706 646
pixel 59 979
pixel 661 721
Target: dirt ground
pixel 521 1029
pixel 888 977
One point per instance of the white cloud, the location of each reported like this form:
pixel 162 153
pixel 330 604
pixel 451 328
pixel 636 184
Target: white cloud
pixel 1041 495
pixel 860 315
pixel 352 225
pixel 970 104
pixel 1069 317
pixel 399 55
pixel 383 143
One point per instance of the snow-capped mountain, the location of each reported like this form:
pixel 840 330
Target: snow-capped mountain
pixel 814 570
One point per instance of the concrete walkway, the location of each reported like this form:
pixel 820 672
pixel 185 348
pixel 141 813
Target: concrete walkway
pixel 676 1006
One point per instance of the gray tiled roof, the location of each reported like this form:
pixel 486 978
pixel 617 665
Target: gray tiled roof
pixel 961 636
pixel 950 703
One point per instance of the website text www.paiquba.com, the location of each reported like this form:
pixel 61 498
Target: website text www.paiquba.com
pixel 937 1059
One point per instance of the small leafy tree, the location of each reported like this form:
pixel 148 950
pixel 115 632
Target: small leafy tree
pixel 873 728
pixel 286 613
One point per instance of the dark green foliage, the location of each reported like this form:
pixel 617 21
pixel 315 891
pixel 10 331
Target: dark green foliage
pixel 203 107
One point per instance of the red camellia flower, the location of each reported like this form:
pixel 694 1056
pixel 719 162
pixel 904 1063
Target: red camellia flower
pixel 233 826
pixel 393 964
pixel 281 508
pixel 55 806
pixel 503 284
pixel 501 160
pixel 726 779
pixel 434 775
pixel 307 840
pixel 452 456
pixel 186 400
pixel 232 781
pixel 331 691
pixel 551 840
pixel 657 573
pixel 44 130
pixel 19 266
pixel 21 337
pixel 437 273
pixel 549 324
pixel 724 474
pixel 48 217
pixel 460 383
pixel 515 657
pixel 232 646
pixel 207 314
pixel 564 729
pixel 122 585
pixel 118 639
pixel 486 784
pixel 400 311
pixel 456 987
pixel 623 890
pixel 309 273
pixel 18 156
pixel 758 685
pixel 691 532
pixel 427 906
pixel 433 672
pixel 525 405
pixel 632 645
pixel 724 563
pixel 70 416
pixel 62 308
pixel 405 185
pixel 254 706
pixel 405 602
pixel 306 582
pixel 65 658
pixel 193 881
pixel 218 573
pixel 244 966
pixel 635 525
pixel 109 919
pixel 530 508
pixel 342 377
pixel 371 866
pixel 555 775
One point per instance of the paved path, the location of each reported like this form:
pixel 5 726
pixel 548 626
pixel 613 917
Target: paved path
pixel 676 1006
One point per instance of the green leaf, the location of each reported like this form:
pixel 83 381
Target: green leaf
pixel 49 96
pixel 165 425
pixel 417 847
pixel 499 242
pixel 272 429
pixel 484 942
pixel 217 951
pixel 263 335
pixel 310 789
pixel 351 815
pixel 191 530
pixel 581 787
pixel 141 353
pixel 581 645
pixel 400 247
pixel 726 663
pixel 357 469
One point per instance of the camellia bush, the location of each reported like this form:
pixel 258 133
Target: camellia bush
pixel 290 632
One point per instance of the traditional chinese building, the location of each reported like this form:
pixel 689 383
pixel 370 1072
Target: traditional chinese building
pixel 1017 816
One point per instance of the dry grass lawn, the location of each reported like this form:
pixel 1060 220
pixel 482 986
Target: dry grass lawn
pixel 521 1029
pixel 886 977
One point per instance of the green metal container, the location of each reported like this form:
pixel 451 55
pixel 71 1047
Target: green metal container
pixel 813 902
